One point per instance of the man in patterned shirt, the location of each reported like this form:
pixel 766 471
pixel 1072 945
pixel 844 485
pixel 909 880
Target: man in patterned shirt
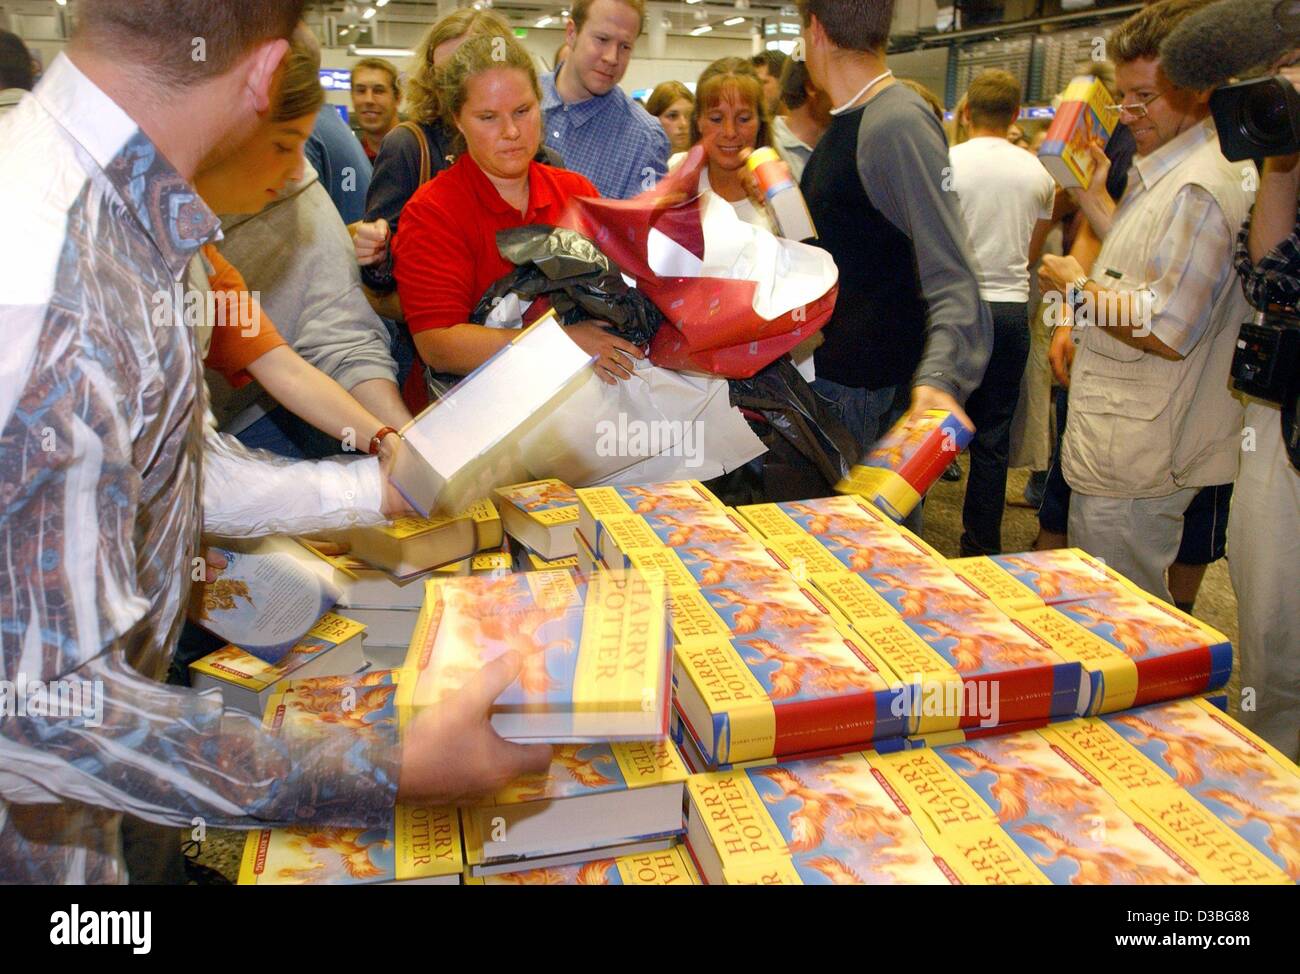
pixel 587 118
pixel 107 449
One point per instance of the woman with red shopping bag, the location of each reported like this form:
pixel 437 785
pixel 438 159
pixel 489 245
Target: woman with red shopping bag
pixel 445 254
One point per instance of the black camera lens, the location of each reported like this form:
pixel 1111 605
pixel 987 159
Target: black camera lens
pixel 1265 115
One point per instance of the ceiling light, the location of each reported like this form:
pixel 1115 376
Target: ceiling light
pixel 734 21
pixel 701 30
pixel 367 13
pixel 358 50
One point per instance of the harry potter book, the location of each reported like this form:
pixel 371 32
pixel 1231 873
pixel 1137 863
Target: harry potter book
pixel 907 461
pixel 412 545
pixel 669 867
pixel 1085 114
pixel 543 515
pixel 598 504
pixel 752 697
pixel 1227 800
pixel 332 646
pixel 820 821
pixel 596 652
pixel 421 847
pixel 1135 650
pixel 596 801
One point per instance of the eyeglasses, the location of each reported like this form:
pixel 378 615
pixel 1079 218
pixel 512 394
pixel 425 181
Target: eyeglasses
pixel 1137 109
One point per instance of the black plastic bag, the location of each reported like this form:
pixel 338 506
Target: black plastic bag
pixel 808 449
pixel 581 282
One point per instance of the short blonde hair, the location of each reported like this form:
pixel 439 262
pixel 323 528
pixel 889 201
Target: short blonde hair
pixel 300 93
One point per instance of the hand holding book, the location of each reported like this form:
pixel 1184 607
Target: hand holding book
pixel 450 752
pixel 1095 200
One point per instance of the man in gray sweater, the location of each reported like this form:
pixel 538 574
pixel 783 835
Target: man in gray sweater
pixel 297 253
pixel 909 314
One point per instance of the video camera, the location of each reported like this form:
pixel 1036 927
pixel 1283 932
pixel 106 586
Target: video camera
pixel 1257 118
pixel 1266 365
pixel 1229 39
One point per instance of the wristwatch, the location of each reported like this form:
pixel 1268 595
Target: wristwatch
pixel 1077 292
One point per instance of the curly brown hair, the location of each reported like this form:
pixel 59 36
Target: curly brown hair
pixel 422 85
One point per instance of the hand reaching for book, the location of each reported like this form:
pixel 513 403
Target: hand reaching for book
pixel 451 752
pixel 612 353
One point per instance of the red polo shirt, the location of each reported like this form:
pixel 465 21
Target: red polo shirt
pixel 445 251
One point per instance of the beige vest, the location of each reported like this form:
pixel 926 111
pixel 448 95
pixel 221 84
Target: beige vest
pixel 1141 425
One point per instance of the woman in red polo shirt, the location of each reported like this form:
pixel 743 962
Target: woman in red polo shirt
pixel 445 253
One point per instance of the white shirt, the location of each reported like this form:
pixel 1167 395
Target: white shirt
pixel 1003 191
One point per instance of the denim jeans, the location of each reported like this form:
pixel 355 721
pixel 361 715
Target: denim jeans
pixel 1054 511
pixel 281 432
pixel 868 414
pixel 991 408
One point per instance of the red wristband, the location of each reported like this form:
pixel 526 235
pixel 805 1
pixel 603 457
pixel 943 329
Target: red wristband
pixel 379 438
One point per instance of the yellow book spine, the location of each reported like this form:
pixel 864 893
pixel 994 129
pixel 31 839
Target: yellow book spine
pixel 989 579
pixel 984 855
pixel 602 503
pixel 857 601
pixel 427 841
pixel 928 786
pixel 769 521
pixel 250 862
pixel 744 719
pixel 232 665
pixel 646 763
pixel 738 822
pixel 662 563
pixel 1114 676
pixel 803 556
pixel 671 867
pixel 621 651
pixel 693 618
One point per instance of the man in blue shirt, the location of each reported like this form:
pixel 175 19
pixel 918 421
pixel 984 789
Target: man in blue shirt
pixel 341 163
pixel 597 127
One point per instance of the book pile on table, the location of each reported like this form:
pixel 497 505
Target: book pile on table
pixel 369 607
pixel 596 681
pixel 858 708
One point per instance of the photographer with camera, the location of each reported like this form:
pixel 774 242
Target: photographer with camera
pixel 1260 118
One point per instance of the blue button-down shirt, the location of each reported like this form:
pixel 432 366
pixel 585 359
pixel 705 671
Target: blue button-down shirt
pixel 610 139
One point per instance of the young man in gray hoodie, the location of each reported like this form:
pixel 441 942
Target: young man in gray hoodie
pixel 297 253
